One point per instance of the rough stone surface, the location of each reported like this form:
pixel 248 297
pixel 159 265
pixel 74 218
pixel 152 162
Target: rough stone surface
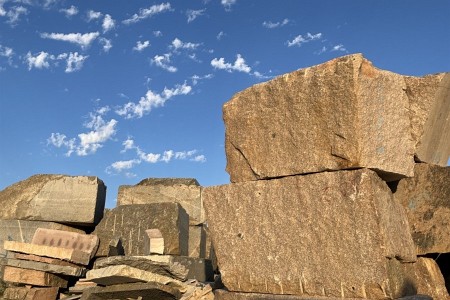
pixel 226 295
pixel 129 222
pixel 58 198
pixel 16 293
pixel 71 255
pixel 70 240
pixel 121 274
pixel 429 99
pixel 197 241
pixel 47 260
pixel 429 279
pixel 426 199
pixel 144 291
pixel 45 267
pixel 342 114
pixel 185 191
pixel 50 293
pixel 33 277
pixel 23 231
pixel 328 234
pixel 153 242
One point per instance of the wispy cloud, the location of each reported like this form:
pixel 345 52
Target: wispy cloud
pixel 93 15
pixel 272 25
pixel 43 60
pixel 163 61
pixel 69 12
pixel 145 13
pixel 108 23
pixel 140 46
pixel 75 62
pixel 14 14
pixel 178 44
pixel 194 14
pixel 39 61
pixel 107 44
pixel 335 48
pixel 299 40
pixel 8 53
pixel 89 142
pixel 339 47
pixel 151 100
pixel 83 40
pixel 196 78
pixel 220 35
pixel 157 33
pixel 227 4
pixel 121 165
pixel 238 65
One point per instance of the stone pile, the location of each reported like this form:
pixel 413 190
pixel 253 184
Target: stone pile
pixel 338 189
pixel 134 250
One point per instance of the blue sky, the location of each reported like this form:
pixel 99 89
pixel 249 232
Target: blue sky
pixel 126 90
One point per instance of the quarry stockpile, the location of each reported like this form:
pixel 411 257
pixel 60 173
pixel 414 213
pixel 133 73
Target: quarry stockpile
pixel 314 157
pixel 341 114
pixel 55 198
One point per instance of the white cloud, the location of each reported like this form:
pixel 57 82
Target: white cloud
pixel 163 62
pixel 14 14
pixel 121 165
pixel 150 101
pixel 69 12
pixel 271 25
pixel 194 14
pixel 75 62
pixel 322 50
pixel 93 15
pixel 196 78
pixel 128 145
pixel 227 4
pixel 83 40
pixel 299 40
pixel 39 61
pixel 2 9
pixel 107 44
pixel 108 23
pixel 157 33
pixel 8 53
pixel 89 142
pixel 239 65
pixel 178 44
pixel 339 47
pixel 220 35
pixel 140 46
pixel 199 158
pixel 145 13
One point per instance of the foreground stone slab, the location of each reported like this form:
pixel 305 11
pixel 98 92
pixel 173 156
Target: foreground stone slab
pixel 129 222
pixel 58 198
pixel 185 191
pixel 23 231
pixel 426 199
pixel 33 277
pixel 50 293
pixel 122 274
pixel 16 293
pixel 429 279
pixel 328 234
pixel 341 114
pixel 47 260
pixel 149 290
pixel 70 240
pixel 71 255
pixel 429 98
pixel 45 267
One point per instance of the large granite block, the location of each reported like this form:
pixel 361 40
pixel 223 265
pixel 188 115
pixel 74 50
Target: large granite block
pixel 328 234
pixel 426 199
pixel 197 241
pixel 23 231
pixel 58 198
pixel 33 277
pixel 129 222
pixel 185 191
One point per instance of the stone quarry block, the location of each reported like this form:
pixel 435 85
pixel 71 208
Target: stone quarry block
pixel 58 198
pixel 429 279
pixel 429 99
pixel 71 255
pixel 153 242
pixel 426 199
pixel 50 293
pixel 185 191
pixel 47 260
pixel 227 295
pixel 23 231
pixel 342 114
pixel 328 234
pixel 16 293
pixel 197 241
pixel 198 268
pixel 129 222
pixel 70 240
pixel 33 277
pixel 151 290
pixel 122 274
pixel 45 267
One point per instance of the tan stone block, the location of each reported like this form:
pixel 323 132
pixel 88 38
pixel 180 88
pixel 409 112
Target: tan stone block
pixel 70 255
pixel 59 198
pixel 426 199
pixel 16 293
pixel 227 295
pixel 341 114
pixel 185 191
pixel 43 294
pixel 153 242
pixel 197 241
pixel 46 267
pixel 429 99
pixel 129 222
pixel 429 279
pixel 328 234
pixel 33 277
pixel 47 260
pixel 151 290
